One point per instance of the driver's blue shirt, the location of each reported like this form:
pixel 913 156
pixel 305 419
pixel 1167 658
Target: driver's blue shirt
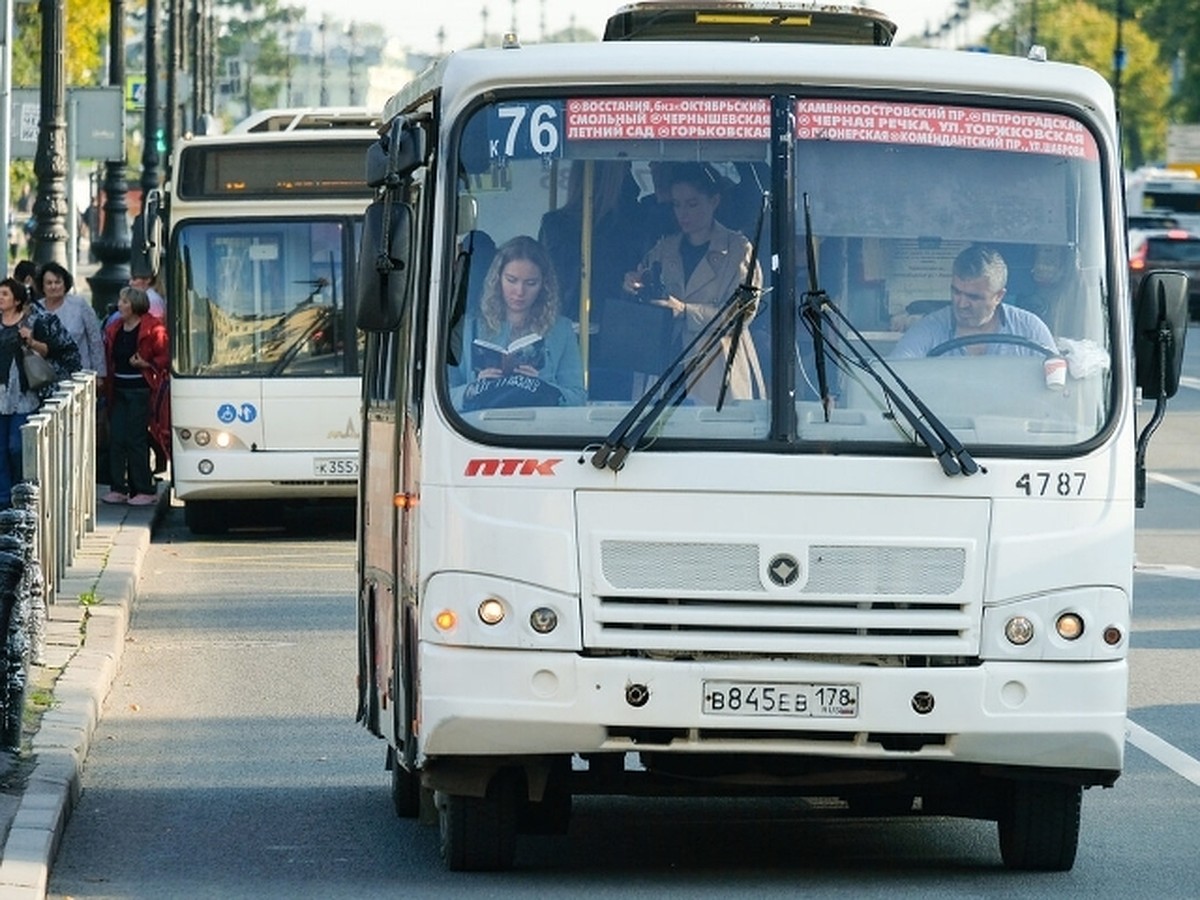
pixel 938 327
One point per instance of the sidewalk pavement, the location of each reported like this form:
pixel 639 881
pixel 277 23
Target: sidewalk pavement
pixel 83 651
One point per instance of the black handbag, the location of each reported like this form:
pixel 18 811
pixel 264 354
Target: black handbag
pixel 38 370
pixel 636 335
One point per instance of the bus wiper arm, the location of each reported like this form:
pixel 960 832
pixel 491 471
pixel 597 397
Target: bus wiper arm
pixel 667 388
pixel 748 287
pixel 942 442
pixel 814 298
pixel 818 310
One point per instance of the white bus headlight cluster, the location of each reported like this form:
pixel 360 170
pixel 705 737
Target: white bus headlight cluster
pixel 1086 623
pixel 1069 626
pixel 484 611
pixel 202 437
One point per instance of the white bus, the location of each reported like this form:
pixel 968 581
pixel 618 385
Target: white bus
pixel 821 566
pixel 1174 192
pixel 259 257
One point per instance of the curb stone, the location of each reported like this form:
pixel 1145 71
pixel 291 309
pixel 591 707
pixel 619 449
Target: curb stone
pixel 109 564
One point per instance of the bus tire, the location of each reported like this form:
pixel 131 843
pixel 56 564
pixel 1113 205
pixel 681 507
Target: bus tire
pixel 203 517
pixel 1039 826
pixel 479 834
pixel 406 788
pixel 550 815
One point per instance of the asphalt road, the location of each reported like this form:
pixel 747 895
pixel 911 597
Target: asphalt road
pixel 228 763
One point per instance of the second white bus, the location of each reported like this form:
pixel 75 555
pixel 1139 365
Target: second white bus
pixel 260 252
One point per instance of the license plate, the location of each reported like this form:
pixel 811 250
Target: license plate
pixel 336 466
pixel 801 700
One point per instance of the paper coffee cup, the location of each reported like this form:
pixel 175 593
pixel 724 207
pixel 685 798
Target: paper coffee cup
pixel 1056 372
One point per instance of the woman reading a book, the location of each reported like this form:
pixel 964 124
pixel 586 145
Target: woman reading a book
pixel 518 351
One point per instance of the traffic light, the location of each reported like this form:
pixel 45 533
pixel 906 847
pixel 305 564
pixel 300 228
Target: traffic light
pixel 160 140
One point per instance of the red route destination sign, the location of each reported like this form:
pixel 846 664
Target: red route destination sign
pixel 668 118
pixel 749 118
pixel 966 127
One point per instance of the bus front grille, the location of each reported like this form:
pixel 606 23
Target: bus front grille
pixel 691 597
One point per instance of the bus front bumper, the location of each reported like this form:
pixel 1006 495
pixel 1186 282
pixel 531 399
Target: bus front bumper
pixel 513 703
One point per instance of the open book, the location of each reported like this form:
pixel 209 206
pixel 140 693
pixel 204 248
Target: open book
pixel 527 350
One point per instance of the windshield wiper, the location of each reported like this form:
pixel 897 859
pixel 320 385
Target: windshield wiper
pixel 748 285
pixel 689 362
pixel 814 299
pixel 820 310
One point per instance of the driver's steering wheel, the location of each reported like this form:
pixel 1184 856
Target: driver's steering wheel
pixel 969 339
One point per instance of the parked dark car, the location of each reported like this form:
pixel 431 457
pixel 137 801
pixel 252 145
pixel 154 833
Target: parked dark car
pixel 1172 248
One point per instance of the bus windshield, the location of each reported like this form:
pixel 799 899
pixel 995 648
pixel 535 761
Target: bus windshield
pixel 263 297
pixel 600 238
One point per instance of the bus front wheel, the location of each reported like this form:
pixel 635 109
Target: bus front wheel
pixel 479 834
pixel 1039 826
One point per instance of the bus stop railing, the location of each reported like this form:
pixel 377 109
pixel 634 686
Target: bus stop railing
pixel 59 456
pixel 53 507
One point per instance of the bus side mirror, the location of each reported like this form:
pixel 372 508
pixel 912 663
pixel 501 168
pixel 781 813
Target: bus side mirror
pixel 397 153
pixel 384 280
pixel 1160 316
pixel 145 251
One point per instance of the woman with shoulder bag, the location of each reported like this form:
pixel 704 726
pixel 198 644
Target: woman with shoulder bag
pixel 79 322
pixel 18 399
pixel 138 361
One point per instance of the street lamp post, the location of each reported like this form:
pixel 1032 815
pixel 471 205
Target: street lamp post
pixel 112 247
pixel 50 161
pixel 150 159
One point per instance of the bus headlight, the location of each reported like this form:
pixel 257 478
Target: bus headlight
pixel 1069 626
pixel 203 438
pixel 1085 623
pixel 205 466
pixel 487 611
pixel 224 439
pixel 1018 630
pixel 543 620
pixel 491 611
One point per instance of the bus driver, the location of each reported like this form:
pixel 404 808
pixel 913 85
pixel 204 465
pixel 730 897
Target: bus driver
pixel 977 287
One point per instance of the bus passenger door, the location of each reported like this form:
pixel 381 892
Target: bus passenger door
pixel 377 549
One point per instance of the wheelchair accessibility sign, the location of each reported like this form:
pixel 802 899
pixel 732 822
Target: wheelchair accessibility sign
pixel 227 413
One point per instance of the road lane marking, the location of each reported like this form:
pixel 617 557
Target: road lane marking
pixel 1188 381
pixel 1170 756
pixel 1174 482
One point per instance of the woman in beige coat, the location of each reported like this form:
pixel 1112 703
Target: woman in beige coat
pixel 700 267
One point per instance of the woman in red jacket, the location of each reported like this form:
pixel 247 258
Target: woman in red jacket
pixel 138 359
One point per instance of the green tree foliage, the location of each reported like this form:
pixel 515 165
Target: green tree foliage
pixel 1175 24
pixel 85 37
pixel 1084 33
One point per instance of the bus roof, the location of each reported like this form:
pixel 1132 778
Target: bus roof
pixel 633 65
pixel 307 119
pixel 760 20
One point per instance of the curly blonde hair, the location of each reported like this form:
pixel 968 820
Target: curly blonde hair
pixel 544 311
